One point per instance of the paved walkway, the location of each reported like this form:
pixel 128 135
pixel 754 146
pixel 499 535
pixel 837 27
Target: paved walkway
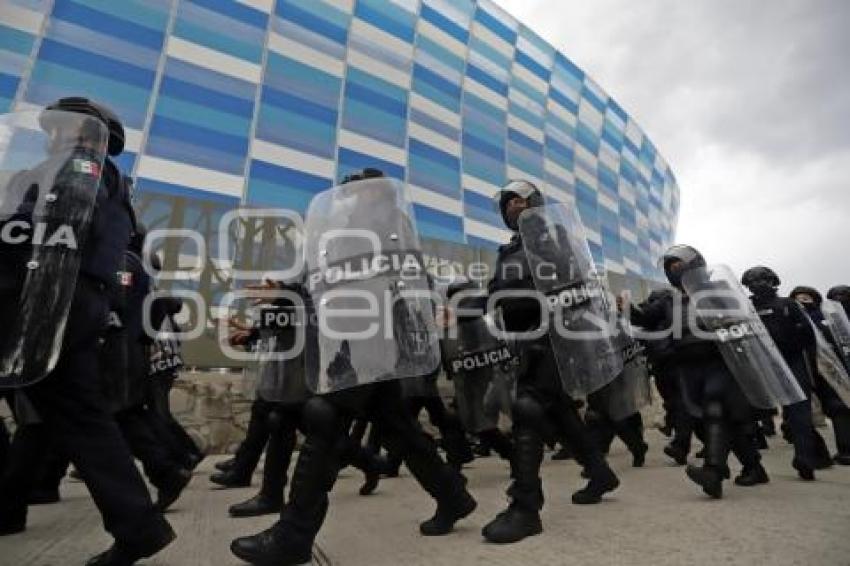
pixel 656 518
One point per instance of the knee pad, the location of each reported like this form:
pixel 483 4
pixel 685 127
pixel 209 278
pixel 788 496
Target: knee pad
pixel 528 411
pixel 320 418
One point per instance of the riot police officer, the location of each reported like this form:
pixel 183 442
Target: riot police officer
pixel 786 322
pixel 68 400
pixel 709 389
pixel 542 408
pixel 328 417
pixel 832 404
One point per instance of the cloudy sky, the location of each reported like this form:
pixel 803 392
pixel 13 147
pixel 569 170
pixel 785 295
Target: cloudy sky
pixel 749 101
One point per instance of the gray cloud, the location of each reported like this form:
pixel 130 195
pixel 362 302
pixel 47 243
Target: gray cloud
pixel 750 104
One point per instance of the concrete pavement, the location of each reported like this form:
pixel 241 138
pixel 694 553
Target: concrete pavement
pixel 656 518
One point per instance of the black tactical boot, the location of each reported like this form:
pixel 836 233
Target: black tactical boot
pixel 225 465
pixel 804 470
pixel 170 492
pixel 707 477
pixel 513 525
pixel 231 478
pixel 677 453
pixel 602 480
pixel 127 554
pixel 448 513
pixel 496 440
pixel 272 547
pixel 13 521
pixel 257 506
pixel 751 476
pixel 639 455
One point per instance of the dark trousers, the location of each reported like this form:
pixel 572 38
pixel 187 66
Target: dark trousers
pixel 256 437
pixel 727 420
pixel 179 442
pixel 603 430
pixel 543 411
pixel 327 420
pixel 837 411
pixel 283 423
pixel 74 415
pixel 147 446
pixel 452 434
pixel 677 415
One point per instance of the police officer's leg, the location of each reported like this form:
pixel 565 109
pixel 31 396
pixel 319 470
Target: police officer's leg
pixel 169 478
pixel 497 441
pixel 799 419
pixel 174 437
pixel 283 423
pixel 522 517
pixel 564 412
pixel 353 453
pixel 743 443
pixel 630 431
pixel 839 414
pixel 713 379
pixel 458 451
pixel 599 427
pixel 290 540
pixel 25 455
pixel 54 469
pixel 250 450
pixel 404 436
pixel 72 407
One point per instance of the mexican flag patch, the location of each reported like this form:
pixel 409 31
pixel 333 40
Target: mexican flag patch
pixel 86 167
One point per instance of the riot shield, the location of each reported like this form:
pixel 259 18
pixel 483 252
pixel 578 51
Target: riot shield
pixel 165 353
pixel 630 391
pixel 830 366
pixel 369 288
pixel 726 316
pixel 277 373
pixel 50 168
pixel 474 357
pixel 581 317
pixel 836 317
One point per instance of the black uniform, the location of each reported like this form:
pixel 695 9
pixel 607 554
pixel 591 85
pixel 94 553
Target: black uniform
pixel 542 410
pixel 793 335
pixel 660 354
pixel 70 402
pixel 709 391
pixel 327 421
pixel 832 405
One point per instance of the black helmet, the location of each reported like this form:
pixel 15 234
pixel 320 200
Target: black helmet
pixel 83 105
pixel 811 291
pixel 760 278
pixel 840 293
pixel 688 255
pixel 367 173
pixel 518 188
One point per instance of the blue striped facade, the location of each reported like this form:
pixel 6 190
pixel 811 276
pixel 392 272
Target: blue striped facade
pixel 266 102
